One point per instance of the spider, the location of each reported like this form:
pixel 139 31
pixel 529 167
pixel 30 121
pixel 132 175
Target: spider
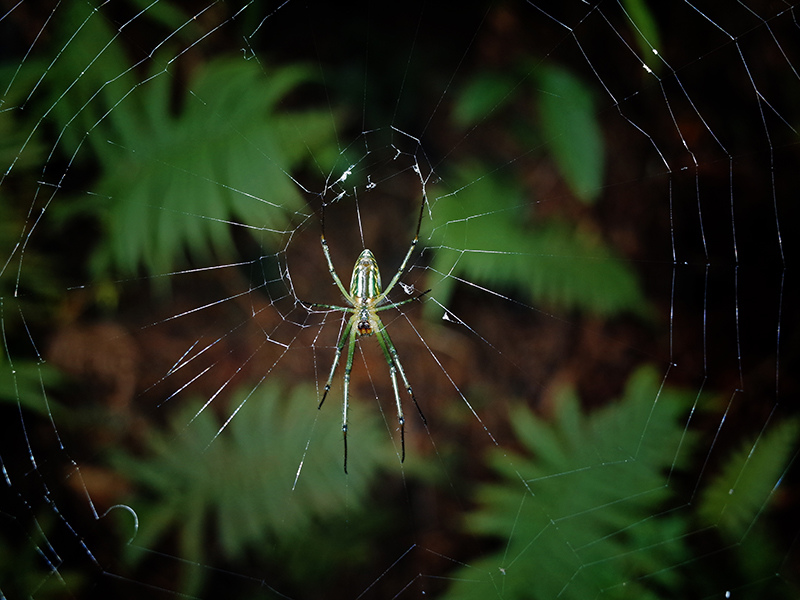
pixel 366 300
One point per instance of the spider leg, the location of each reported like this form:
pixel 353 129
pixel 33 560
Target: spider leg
pixel 331 306
pixel 348 335
pixel 328 259
pixel 392 304
pixel 347 368
pixel 393 374
pixel 337 356
pixel 405 381
pixel 393 361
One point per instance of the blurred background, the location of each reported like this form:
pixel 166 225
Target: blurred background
pixel 606 356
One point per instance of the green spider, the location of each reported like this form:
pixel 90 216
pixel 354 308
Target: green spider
pixel 366 300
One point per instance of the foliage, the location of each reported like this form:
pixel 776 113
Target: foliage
pixel 735 501
pixel 26 566
pixel 571 130
pixel 586 512
pixel 481 233
pixel 34 285
pixel 19 149
pixel 740 492
pixel 647 33
pixel 566 123
pixel 595 480
pixel 176 181
pixel 223 158
pixel 25 382
pixel 26 298
pixel 238 487
pixel 481 96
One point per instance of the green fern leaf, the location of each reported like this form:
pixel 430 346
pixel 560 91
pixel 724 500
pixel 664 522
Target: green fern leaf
pixel 483 94
pixel 480 234
pixel 647 36
pixel 174 183
pixel 239 487
pixel 26 384
pixel 738 495
pixel 90 76
pixel 575 513
pixel 571 130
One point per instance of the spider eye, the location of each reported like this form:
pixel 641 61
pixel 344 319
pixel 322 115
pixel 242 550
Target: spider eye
pixel 364 328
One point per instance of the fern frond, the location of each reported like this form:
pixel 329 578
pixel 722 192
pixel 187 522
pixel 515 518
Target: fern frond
pixel 174 184
pixel 239 486
pixel 481 234
pixel 570 129
pixel 741 492
pixel 580 514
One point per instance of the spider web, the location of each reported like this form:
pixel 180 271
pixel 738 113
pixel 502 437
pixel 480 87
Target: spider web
pixel 606 355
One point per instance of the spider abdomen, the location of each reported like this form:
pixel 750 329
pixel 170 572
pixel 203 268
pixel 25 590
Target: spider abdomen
pixel 365 284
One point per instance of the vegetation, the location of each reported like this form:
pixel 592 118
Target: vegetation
pixel 170 169
pixel 594 504
pixel 485 233
pixel 255 488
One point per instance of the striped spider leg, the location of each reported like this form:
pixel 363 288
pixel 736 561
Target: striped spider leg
pixel 366 300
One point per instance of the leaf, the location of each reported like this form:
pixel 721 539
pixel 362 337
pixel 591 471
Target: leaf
pixel 21 146
pixel 23 571
pixel 90 76
pixel 644 24
pixel 484 94
pixel 578 513
pixel 571 130
pixel 170 17
pixel 480 234
pixel 182 183
pixel 27 383
pixel 743 489
pixel 176 183
pixel 240 484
